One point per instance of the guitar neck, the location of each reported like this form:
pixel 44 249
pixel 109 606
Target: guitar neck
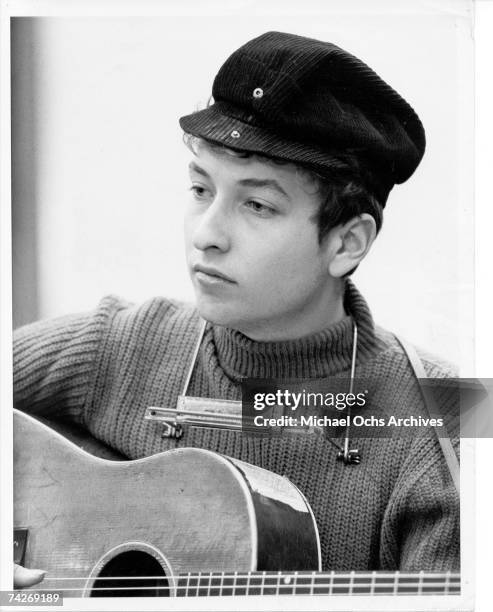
pixel 318 583
pixel 221 584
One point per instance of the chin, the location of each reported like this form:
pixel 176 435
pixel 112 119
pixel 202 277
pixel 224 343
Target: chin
pixel 216 313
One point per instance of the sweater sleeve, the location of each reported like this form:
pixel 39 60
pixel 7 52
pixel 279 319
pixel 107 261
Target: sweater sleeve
pixel 54 361
pixel 421 528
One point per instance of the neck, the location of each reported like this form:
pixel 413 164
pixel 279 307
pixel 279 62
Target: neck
pixel 319 354
pixel 313 319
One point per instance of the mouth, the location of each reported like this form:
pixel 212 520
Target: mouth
pixel 207 274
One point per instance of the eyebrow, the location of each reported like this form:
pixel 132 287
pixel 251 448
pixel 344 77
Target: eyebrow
pixel 248 182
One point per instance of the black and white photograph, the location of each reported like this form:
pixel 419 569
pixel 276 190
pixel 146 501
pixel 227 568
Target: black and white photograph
pixel 242 242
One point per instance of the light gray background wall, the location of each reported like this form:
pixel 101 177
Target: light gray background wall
pixel 99 168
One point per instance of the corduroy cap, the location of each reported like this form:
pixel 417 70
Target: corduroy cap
pixel 308 102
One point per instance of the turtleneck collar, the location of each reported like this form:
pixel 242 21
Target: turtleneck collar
pixel 324 353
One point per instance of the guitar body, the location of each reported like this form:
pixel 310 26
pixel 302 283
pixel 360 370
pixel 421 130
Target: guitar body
pixel 90 521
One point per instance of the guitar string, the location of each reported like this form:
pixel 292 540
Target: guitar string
pixel 141 578
pixel 331 585
pixel 389 584
pixel 272 582
pixel 389 588
pixel 386 585
pixel 275 575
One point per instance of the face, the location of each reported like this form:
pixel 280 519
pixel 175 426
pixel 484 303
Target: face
pixel 252 247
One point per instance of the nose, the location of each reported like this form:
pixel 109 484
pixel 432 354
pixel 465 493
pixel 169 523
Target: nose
pixel 212 228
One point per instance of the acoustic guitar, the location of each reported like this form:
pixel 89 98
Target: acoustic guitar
pixel 185 522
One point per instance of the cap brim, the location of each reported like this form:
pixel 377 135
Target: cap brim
pixel 213 125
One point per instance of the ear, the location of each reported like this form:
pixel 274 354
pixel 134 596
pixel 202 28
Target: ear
pixel 350 243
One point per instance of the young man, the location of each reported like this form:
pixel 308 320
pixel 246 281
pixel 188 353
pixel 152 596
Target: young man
pixel 291 168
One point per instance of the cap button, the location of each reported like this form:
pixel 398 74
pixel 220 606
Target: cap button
pixel 235 134
pixel 258 92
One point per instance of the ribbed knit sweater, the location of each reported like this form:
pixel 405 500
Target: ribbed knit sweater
pixel 398 509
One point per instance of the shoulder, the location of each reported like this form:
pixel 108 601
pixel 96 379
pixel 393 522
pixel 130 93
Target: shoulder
pixel 155 310
pixel 391 350
pixel 157 317
pixel 397 373
pixel 114 328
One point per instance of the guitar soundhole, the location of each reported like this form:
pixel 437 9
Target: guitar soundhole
pixel 132 573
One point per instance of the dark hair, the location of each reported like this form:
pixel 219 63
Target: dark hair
pixel 345 189
pixel 345 194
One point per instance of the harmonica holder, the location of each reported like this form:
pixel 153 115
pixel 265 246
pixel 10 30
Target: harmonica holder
pixel 227 414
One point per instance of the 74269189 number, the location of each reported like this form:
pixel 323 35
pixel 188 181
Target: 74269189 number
pixel 40 598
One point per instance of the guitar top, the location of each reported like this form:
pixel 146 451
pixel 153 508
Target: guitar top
pixel 182 511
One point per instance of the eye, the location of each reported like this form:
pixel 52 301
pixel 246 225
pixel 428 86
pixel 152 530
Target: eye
pixel 260 209
pixel 199 192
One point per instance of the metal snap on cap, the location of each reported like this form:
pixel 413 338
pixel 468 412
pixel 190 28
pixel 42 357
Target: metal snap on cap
pixel 235 134
pixel 258 92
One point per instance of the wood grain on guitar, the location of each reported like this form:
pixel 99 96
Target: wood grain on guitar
pixel 186 522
